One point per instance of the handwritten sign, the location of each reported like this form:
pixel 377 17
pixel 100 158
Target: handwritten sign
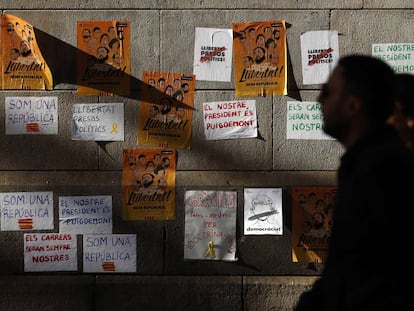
pixel 50 252
pixel 400 56
pixel 26 211
pixel 98 122
pixel 31 115
pixel 213 54
pixel 263 211
pixel 109 253
pixel 85 214
pixel 230 119
pixel 210 225
pixel 304 121
pixel 320 54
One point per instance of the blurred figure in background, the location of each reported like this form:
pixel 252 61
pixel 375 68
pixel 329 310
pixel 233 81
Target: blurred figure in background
pixel 403 117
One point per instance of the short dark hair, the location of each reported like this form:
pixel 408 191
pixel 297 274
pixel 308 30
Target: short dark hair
pixel 371 80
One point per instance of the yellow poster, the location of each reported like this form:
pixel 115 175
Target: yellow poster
pixel 22 63
pixel 312 209
pixel 259 50
pixel 148 184
pixel 165 116
pixel 103 61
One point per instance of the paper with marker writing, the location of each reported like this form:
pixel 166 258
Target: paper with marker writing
pixel 210 225
pixel 109 253
pixel 21 211
pixel 230 119
pixel 50 252
pixel 263 211
pixel 31 115
pixel 85 214
pixel 304 121
pixel 320 54
pixel 98 122
pixel 213 50
pixel 400 56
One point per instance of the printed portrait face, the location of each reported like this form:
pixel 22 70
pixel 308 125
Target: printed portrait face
pixel 259 55
pixel 102 53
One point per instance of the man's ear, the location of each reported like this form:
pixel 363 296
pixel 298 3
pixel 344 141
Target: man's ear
pixel 354 105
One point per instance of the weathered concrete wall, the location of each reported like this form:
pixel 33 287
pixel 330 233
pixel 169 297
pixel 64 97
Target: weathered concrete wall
pixel 162 38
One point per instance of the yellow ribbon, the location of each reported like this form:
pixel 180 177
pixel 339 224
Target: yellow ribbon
pixel 114 128
pixel 210 251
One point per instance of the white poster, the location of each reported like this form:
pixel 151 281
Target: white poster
pixel 50 252
pixel 85 214
pixel 320 53
pixel 26 211
pixel 230 119
pixel 400 56
pixel 210 225
pixel 98 122
pixel 31 115
pixel 304 121
pixel 109 253
pixel 213 52
pixel 263 211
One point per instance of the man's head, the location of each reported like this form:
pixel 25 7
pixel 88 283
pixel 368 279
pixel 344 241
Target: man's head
pixel 358 96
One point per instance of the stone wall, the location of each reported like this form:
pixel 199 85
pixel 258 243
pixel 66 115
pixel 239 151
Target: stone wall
pixel 162 39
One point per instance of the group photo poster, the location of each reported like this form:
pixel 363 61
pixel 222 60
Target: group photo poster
pixel 165 119
pixel 148 184
pixel 213 54
pixel 304 120
pixel 320 54
pixel 312 210
pixel 98 122
pixel 263 211
pixel 50 252
pixel 31 115
pixel 85 214
pixel 400 56
pixel 210 225
pixel 21 211
pixel 260 60
pixel 109 253
pixel 230 119
pixel 23 66
pixel 103 61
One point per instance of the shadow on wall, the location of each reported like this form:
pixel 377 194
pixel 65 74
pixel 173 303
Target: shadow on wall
pixel 61 58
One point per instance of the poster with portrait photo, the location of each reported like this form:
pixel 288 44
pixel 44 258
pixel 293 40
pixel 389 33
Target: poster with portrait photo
pixel 263 211
pixel 148 184
pixel 22 63
pixel 213 54
pixel 312 210
pixel 166 113
pixel 259 55
pixel 103 60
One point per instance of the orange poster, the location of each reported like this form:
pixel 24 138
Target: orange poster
pixel 259 50
pixel 312 209
pixel 163 122
pixel 148 184
pixel 103 62
pixel 22 63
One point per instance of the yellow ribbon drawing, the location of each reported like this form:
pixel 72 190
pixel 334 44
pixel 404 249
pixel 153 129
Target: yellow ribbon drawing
pixel 114 128
pixel 210 251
